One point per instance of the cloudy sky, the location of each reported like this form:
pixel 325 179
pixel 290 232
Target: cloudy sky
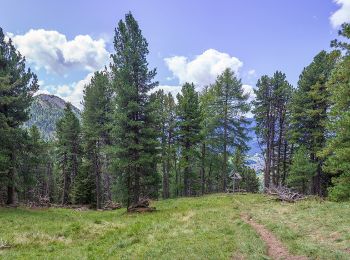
pixel 189 40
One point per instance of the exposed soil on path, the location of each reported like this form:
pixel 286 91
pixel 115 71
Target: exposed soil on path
pixel 275 248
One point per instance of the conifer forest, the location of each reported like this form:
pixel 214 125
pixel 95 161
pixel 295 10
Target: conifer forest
pixel 136 161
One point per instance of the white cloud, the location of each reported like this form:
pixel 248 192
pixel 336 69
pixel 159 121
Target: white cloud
pixel 342 15
pixel 76 96
pixel 203 69
pixel 251 72
pixel 63 90
pixel 52 51
pixel 77 88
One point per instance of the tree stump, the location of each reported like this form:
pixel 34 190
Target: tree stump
pixel 141 206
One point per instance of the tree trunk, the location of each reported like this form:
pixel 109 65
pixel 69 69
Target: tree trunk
pixel 267 169
pixel 280 136
pixel 11 179
pixel 165 179
pixel 129 188
pixel 267 161
pixel 97 179
pixel 136 195
pixel 224 172
pixel 98 190
pixel 210 185
pixel 186 179
pixel 65 182
pixel 203 169
pixel 272 153
pixel 284 176
pixel 167 186
pixel 176 178
pixel 187 169
pixel 10 195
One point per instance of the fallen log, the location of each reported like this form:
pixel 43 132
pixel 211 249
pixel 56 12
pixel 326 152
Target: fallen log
pixel 141 206
pixel 284 194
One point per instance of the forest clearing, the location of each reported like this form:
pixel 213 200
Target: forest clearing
pixel 208 227
pixel 172 130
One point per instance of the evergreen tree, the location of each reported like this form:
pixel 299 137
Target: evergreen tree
pixel 309 113
pixel 17 86
pixel 249 181
pixel 69 151
pixel 189 119
pixel 301 171
pixel 270 111
pixel 166 127
pixel 34 168
pixel 209 141
pixel 134 133
pixel 96 126
pixel 230 107
pixel 337 151
pixel 238 161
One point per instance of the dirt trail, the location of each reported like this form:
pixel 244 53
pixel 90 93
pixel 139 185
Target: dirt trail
pixel 275 249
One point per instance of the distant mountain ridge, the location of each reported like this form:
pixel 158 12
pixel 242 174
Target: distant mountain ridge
pixel 45 110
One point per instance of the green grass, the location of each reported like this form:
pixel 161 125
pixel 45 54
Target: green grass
pixel 314 228
pixel 206 227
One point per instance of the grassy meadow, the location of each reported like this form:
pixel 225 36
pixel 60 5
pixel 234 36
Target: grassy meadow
pixel 206 227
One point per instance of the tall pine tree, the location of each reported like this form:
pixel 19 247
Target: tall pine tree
pixel 231 107
pixel 96 137
pixel 133 129
pixel 309 108
pixel 273 95
pixel 337 150
pixel 69 151
pixel 17 86
pixel 165 110
pixel 189 118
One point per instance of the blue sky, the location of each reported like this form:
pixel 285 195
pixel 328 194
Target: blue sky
pixel 65 41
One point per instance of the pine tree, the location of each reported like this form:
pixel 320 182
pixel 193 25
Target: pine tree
pixel 301 171
pixel 337 150
pixel 17 86
pixel 134 133
pixel 282 148
pixel 96 126
pixel 209 141
pixel 166 127
pixel 270 111
pixel 309 113
pixel 230 107
pixel 189 119
pixel 249 181
pixel 69 151
pixel 35 177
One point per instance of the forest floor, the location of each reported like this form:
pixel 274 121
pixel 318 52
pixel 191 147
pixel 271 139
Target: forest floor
pixel 220 226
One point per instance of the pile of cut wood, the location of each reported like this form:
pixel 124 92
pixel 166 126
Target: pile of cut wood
pixel 40 202
pixel 285 194
pixel 110 205
pixel 141 206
